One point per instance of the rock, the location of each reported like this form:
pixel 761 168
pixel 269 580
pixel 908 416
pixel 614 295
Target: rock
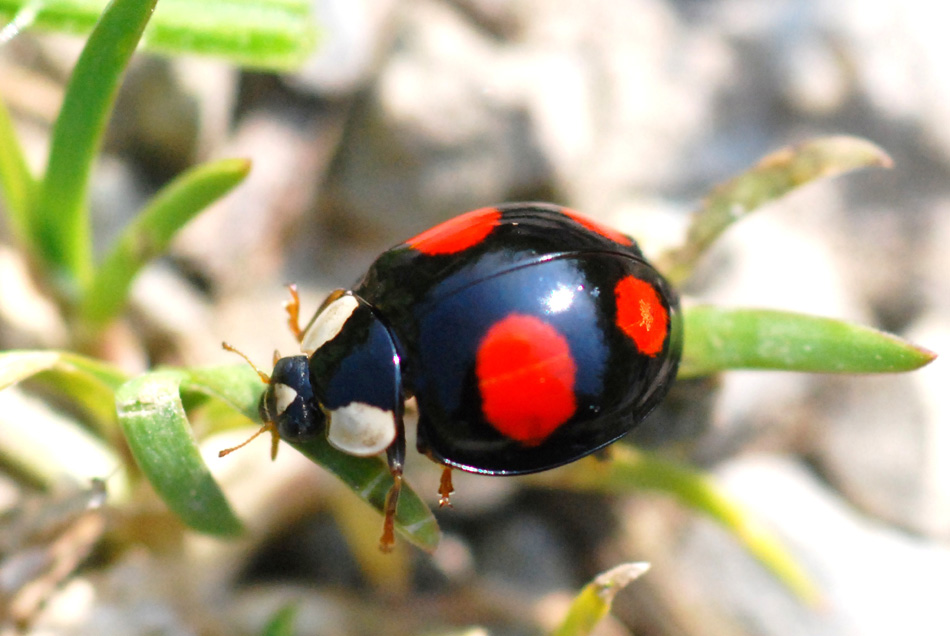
pixel 568 107
pixel 874 580
pixel 352 36
pixel 171 113
pixel 882 440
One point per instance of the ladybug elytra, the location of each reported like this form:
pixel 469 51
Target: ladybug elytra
pixel 529 335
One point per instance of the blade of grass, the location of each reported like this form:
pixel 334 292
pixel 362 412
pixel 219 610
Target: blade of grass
pixel 159 436
pixel 594 601
pixel 264 34
pixel 61 225
pixel 16 366
pixel 773 177
pixel 238 386
pixel 17 184
pixel 629 469
pixel 282 622
pixel 150 233
pixel 717 339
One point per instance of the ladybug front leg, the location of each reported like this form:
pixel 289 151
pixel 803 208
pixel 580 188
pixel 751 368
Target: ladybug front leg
pixel 396 456
pixel 292 307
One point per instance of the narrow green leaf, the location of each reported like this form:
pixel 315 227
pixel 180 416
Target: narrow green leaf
pixel 283 622
pixel 17 184
pixel 773 177
pixel 594 601
pixel 717 339
pixel 240 387
pixel 159 436
pixel 265 34
pixel 89 383
pixel 48 448
pixel 61 224
pixel 16 366
pixel 150 233
pixel 629 469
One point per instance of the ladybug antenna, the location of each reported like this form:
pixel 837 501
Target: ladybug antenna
pixel 275 439
pixel 263 376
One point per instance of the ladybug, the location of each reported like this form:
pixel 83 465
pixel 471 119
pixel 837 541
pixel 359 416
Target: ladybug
pixel 529 335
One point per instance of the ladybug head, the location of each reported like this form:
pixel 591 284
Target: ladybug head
pixel 346 384
pixel 287 408
pixel 287 402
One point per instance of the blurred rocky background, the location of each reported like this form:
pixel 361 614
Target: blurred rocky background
pixel 629 110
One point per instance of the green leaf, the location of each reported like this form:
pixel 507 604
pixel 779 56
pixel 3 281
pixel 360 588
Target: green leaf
pixel 238 386
pixel 265 34
pixel 283 622
pixel 150 233
pixel 41 446
pixel 47 449
pixel 16 366
pixel 17 185
pixel 89 383
pixel 159 436
pixel 629 469
pixel 594 601
pixel 61 222
pixel 773 177
pixel 717 339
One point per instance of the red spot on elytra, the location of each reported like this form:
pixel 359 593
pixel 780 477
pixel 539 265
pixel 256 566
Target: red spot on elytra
pixel 594 226
pixel 457 234
pixel 525 375
pixel 641 315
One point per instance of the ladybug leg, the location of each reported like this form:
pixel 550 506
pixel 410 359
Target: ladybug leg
pixel 395 455
pixel 445 487
pixel 268 427
pixel 292 307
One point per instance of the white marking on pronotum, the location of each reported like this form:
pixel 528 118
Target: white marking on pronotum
pixel 329 323
pixel 284 396
pixel 361 429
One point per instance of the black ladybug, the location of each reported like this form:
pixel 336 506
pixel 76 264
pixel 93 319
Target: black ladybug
pixel 530 336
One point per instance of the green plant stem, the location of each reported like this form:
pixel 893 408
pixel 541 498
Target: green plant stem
pixel 266 34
